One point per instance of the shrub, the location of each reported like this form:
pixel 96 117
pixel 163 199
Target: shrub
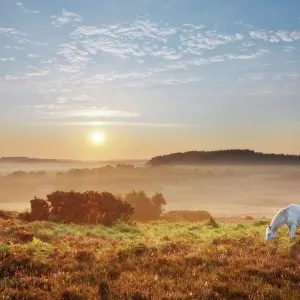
pixel 24 236
pixel 39 210
pixel 4 250
pixel 46 235
pixel 38 249
pixel 71 295
pixel 187 215
pixel 85 256
pixel 89 207
pixel 103 290
pixel 25 216
pixel 7 215
pixel 145 208
pixel 261 223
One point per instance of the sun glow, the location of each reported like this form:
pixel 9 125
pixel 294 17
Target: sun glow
pixel 97 138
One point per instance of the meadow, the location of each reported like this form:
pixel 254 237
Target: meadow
pixel 227 259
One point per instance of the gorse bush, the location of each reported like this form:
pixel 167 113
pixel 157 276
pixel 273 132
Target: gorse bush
pixel 83 208
pixel 89 207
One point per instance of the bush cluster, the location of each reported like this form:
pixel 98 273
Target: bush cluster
pixel 93 207
pixel 73 207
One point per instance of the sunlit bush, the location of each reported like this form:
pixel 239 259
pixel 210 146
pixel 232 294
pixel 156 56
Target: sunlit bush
pixel 146 208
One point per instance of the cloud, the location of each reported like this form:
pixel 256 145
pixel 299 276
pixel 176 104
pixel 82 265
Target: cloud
pixel 256 77
pixel 64 18
pixel 286 76
pixel 180 81
pixel 116 123
pixel 262 92
pixel 10 77
pixel 62 111
pixel 28 41
pixel 33 55
pixel 197 41
pixel 289 48
pixel 287 36
pixel 22 8
pixel 137 39
pixel 247 56
pixel 7 59
pixel 264 35
pixel 78 98
pixel 185 65
pixel 11 32
pixel 291 62
pixel 92 62
pixel 37 73
pixel 13 47
pixel 275 37
pixel 73 56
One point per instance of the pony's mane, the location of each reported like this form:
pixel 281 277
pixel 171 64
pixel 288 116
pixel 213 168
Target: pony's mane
pixel 279 218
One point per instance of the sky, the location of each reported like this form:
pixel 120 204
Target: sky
pixel 154 77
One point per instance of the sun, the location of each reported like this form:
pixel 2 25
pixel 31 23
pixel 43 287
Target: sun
pixel 97 138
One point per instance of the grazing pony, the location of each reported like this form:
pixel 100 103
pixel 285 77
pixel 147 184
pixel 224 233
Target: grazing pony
pixel 290 216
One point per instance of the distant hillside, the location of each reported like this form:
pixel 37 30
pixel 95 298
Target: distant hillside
pixel 24 159
pixel 224 157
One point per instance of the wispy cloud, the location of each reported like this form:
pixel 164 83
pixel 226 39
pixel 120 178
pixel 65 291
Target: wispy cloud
pixel 180 81
pixel 37 73
pixel 64 18
pixel 22 8
pixel 7 59
pixel 112 124
pixel 256 77
pixel 13 47
pixel 28 41
pixel 262 92
pixel 286 76
pixel 197 41
pixel 11 32
pixel 33 55
pixel 90 64
pixel 63 111
pixel 289 48
pixel 275 37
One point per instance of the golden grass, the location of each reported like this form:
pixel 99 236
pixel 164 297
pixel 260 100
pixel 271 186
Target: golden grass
pixel 158 260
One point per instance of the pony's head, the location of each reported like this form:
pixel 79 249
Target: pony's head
pixel 270 234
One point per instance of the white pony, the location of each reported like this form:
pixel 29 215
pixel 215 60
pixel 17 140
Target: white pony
pixel 290 216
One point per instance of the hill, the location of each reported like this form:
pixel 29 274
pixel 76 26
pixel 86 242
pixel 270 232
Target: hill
pixel 24 159
pixel 234 156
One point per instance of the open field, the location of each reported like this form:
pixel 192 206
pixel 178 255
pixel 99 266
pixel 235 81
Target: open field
pixel 159 260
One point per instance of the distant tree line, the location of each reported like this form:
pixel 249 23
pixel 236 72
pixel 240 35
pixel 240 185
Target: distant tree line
pixel 238 156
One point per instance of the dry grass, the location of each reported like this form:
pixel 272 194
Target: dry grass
pixel 159 260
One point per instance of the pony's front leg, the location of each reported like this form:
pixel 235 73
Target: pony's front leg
pixel 292 230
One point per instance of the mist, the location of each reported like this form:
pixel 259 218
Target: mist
pixel 223 190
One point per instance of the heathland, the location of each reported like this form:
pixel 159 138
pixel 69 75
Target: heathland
pixel 156 260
